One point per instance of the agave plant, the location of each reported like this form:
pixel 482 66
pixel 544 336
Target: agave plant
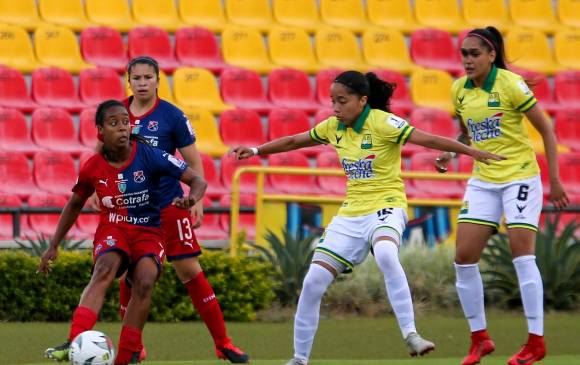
pixel 36 246
pixel 558 258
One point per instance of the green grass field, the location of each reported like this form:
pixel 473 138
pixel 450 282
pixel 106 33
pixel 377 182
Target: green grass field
pixel 349 341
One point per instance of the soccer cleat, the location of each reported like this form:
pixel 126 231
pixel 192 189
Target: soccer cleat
pixel 418 345
pixel 135 358
pixel 534 350
pixel 142 355
pixel 232 354
pixel 58 353
pixel 296 361
pixel 481 345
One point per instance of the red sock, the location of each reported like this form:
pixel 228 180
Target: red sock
pixel 83 319
pixel 129 343
pixel 534 339
pixel 124 297
pixel 206 304
pixel 480 335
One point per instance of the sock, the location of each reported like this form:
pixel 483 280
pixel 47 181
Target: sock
pixel 130 342
pixel 124 297
pixel 398 292
pixel 315 284
pixel 532 292
pixel 206 304
pixel 83 319
pixel 470 290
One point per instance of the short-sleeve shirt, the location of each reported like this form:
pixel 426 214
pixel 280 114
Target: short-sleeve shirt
pixel 370 154
pixel 493 117
pixel 130 194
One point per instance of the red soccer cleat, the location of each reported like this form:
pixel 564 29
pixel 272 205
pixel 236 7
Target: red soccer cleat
pixel 534 350
pixel 481 345
pixel 232 354
pixel 142 355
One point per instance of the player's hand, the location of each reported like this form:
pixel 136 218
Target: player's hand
pixel 442 161
pixel 485 157
pixel 93 203
pixel 197 214
pixel 558 195
pixel 242 152
pixel 48 257
pixel 185 202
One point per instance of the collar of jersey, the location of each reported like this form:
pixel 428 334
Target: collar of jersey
pixel 489 81
pixel 360 121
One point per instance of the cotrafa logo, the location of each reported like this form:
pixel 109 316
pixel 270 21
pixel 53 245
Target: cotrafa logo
pixel 360 169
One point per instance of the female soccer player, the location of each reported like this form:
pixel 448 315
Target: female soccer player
pixel 368 140
pixel 126 176
pixel 491 101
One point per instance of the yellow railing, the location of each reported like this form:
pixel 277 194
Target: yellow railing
pixel 261 197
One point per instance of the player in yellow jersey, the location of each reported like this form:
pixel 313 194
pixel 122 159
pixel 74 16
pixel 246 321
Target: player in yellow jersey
pixel 491 102
pixel 368 139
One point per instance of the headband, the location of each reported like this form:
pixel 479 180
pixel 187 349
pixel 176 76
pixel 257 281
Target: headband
pixel 482 37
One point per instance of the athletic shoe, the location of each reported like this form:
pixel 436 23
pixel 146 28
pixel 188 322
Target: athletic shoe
pixel 481 345
pixel 232 354
pixel 58 353
pixel 142 355
pixel 296 361
pixel 135 358
pixel 417 345
pixel 534 350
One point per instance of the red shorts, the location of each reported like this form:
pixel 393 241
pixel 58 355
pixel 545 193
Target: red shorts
pixel 180 241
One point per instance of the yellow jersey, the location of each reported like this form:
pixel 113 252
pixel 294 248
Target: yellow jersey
pixel 370 154
pixel 493 117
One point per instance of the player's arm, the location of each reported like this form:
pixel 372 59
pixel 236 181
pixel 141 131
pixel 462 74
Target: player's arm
pixel 284 144
pixel 443 159
pixel 197 186
pixel 193 158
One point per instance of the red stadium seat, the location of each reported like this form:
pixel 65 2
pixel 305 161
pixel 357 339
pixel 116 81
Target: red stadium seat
pixel 55 87
pixel 335 185
pixel 541 88
pixel 323 114
pixel 16 175
pixel 6 219
pixel 292 184
pixel 568 128
pixel 243 88
pixel 464 166
pixel 45 224
pixel 198 47
pixel 86 225
pixel 84 157
pixel 247 221
pixel 211 228
pixel 98 85
pixel 154 42
pixel 324 79
pixel 544 174
pixel 229 164
pixel 290 88
pixel 54 172
pixel 14 133
pixel 215 188
pixel 570 172
pixel 53 129
pixel 434 121
pixel 401 101
pixel 286 122
pixel 423 161
pixel 104 47
pixel 87 128
pixel 431 48
pixel 567 88
pixel 241 127
pixel 13 90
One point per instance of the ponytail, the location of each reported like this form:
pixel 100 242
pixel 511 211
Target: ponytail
pixel 378 92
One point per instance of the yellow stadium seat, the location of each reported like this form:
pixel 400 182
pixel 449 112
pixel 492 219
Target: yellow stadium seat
pixel 566 48
pixel 207 135
pixel 536 137
pixel 208 14
pixel 22 13
pixel 197 88
pixel 297 13
pixel 442 14
pixel 70 13
pixel 432 89
pixel 536 14
pixel 530 49
pixel 250 13
pixel 482 13
pixel 336 47
pixel 349 14
pixel 164 89
pixel 395 14
pixel 58 46
pixel 244 47
pixel 386 48
pixel 159 13
pixel 112 13
pixel 16 50
pixel 569 12
pixel 291 47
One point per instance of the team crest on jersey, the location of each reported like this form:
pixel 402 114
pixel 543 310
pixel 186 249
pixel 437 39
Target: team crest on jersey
pixel 110 241
pixel 493 100
pixel 367 142
pixel 138 176
pixel 121 183
pixel 153 126
pixel 136 129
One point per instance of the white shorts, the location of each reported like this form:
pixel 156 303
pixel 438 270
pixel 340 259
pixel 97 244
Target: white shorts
pixel 520 201
pixel 346 242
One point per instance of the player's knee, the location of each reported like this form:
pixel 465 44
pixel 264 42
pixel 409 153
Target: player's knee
pixel 143 286
pixel 104 272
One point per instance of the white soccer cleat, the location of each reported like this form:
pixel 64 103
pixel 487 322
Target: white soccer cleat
pixel 418 345
pixel 296 361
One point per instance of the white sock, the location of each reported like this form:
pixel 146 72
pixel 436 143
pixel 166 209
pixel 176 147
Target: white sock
pixel 470 290
pixel 306 320
pixel 532 292
pixel 398 292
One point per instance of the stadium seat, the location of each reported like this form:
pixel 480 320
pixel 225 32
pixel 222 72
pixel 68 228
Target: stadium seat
pixel 434 48
pixel 86 225
pixel 6 219
pixel 241 127
pixel 45 224
pixel 387 48
pixel 164 90
pixel 347 14
pixel 244 47
pixel 243 88
pixel 247 221
pixel 334 185
pixel 401 103
pixel 483 13
pixel 297 13
pixel 529 49
pixel 54 87
pixel 87 128
pixel 250 14
pixel 534 14
pixel 53 129
pixel 14 134
pixel 287 122
pixel 215 188
pixel 98 85
pixel 103 47
pixel 291 47
pixel 392 14
pixel 339 48
pixel 324 79
pixel 198 47
pixel 111 13
pixel 464 166
pixel 58 46
pixel 569 13
pixel 536 138
pixel 440 14
pixel 570 172
pixel 566 46
pixel 13 91
pixel 154 42
pixel 229 164
pixel 427 188
pixel 567 88
pixel 68 13
pixel 157 13
pixel 54 172
pixel 210 229
pixel 208 14
pixel 197 88
pixel 16 49
pixel 431 88
pixel 430 120
pixel 207 135
pixel 21 13
pixel 16 175
pixel 322 115
pixel 541 87
pixel 568 128
pixel 292 184
pixel 290 88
